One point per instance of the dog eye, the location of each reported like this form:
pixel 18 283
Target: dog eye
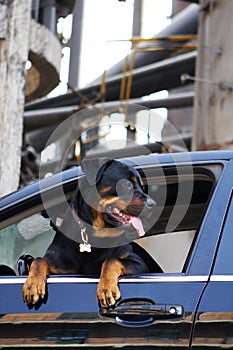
pixel 123 187
pixel 128 185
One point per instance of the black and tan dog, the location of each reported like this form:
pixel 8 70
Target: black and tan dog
pixel 106 214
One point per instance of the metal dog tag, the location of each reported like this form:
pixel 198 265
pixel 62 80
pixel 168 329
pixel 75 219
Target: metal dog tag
pixel 85 247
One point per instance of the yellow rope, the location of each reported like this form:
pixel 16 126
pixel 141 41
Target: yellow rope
pixel 129 82
pixel 130 77
pixel 103 91
pixel 178 37
pixel 126 90
pixel 123 80
pixel 164 48
pixel 103 87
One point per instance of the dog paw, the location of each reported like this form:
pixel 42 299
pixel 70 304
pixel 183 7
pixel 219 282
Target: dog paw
pixel 108 293
pixel 34 289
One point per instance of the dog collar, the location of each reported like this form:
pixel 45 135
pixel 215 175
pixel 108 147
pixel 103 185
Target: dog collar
pixel 84 246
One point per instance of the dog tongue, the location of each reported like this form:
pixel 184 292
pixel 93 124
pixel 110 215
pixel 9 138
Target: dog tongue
pixel 137 224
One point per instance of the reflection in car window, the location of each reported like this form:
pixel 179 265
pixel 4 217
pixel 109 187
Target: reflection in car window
pixel 29 236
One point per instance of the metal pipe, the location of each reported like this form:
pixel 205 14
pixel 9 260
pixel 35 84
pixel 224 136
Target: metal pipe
pixel 34 120
pixel 76 39
pixel 137 17
pixel 146 149
pixel 49 15
pixel 185 22
pixel 154 77
pixel 35 9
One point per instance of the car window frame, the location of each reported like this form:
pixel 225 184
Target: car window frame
pixel 69 184
pixel 205 249
pixel 224 251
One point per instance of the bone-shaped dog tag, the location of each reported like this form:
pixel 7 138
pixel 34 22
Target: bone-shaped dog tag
pixel 85 247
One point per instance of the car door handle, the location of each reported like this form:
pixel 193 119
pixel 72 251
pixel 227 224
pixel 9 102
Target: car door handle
pixel 139 312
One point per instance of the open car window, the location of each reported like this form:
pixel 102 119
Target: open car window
pixel 182 197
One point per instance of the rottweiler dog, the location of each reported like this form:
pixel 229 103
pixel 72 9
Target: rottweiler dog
pixel 105 215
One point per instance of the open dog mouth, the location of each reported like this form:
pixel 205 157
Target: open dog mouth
pixel 126 219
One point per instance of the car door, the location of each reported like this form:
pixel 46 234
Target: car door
pixel 155 309
pixel 214 321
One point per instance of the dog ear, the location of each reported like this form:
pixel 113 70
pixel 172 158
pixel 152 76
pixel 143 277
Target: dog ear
pixel 94 168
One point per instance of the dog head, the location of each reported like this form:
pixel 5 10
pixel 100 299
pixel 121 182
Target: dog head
pixel 111 198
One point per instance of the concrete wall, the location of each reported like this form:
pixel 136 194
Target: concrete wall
pixel 15 19
pixel 20 38
pixel 213 122
pixel 45 56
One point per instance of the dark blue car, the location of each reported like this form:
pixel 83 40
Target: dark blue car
pixel 188 304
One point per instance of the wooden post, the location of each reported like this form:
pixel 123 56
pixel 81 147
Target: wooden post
pixel 14 42
pixel 213 106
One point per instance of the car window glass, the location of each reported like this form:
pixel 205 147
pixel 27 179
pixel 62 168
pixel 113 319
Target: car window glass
pixel 31 235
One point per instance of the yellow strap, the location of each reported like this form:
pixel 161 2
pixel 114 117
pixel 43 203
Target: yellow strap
pixel 164 48
pixel 123 80
pixel 179 37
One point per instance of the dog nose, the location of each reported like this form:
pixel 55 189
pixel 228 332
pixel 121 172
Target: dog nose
pixel 150 203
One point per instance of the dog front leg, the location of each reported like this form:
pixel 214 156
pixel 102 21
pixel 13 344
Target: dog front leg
pixel 35 285
pixel 108 291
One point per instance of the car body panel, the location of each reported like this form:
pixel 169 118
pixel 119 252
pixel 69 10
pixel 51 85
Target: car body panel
pixel 153 287
pixel 214 325
pixel 80 303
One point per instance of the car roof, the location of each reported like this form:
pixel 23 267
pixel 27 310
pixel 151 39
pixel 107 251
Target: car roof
pixel 163 158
